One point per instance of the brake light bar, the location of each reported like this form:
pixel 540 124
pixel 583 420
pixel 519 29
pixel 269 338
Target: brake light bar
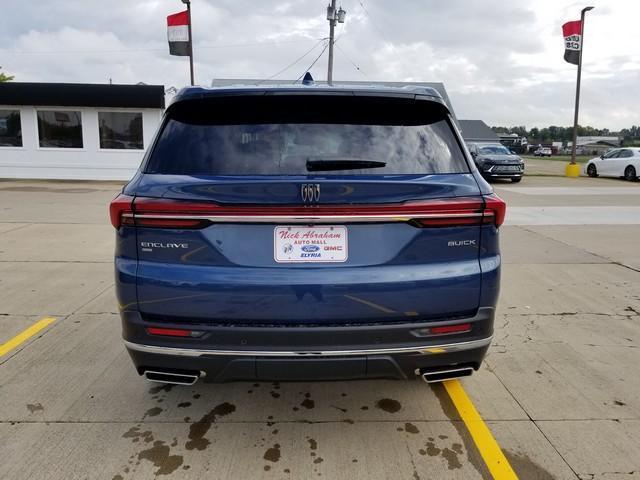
pixel 166 213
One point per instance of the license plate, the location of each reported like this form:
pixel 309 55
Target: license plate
pixel 510 168
pixel 293 244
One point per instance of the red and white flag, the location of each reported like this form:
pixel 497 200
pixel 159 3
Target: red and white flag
pixel 178 33
pixel 572 32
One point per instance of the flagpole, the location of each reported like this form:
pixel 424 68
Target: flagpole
pixel 577 106
pixel 188 4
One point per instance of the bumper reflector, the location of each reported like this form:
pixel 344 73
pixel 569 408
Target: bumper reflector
pixel 459 328
pixel 173 332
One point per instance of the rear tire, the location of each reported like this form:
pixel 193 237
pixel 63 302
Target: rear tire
pixel 592 171
pixel 516 179
pixel 630 174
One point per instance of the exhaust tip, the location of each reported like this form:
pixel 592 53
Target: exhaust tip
pixel 174 378
pixel 434 376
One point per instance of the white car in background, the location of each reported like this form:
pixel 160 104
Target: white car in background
pixel 619 162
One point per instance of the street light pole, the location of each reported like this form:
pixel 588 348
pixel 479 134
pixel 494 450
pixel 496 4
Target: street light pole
pixel 577 106
pixel 334 17
pixel 188 4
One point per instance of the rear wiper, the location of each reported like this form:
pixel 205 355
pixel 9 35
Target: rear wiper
pixel 341 164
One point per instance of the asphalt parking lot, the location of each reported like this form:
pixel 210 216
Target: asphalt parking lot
pixel 559 391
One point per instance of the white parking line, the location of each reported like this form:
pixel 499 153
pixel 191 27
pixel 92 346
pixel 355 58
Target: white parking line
pixel 612 215
pixel 586 191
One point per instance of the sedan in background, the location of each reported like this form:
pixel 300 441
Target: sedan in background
pixel 542 152
pixel 619 162
pixel 496 161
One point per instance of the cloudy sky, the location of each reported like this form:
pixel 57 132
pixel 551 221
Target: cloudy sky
pixel 500 61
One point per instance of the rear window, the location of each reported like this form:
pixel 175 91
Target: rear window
pixel 306 135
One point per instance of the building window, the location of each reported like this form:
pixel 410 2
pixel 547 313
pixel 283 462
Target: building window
pixel 60 129
pixel 120 130
pixel 10 128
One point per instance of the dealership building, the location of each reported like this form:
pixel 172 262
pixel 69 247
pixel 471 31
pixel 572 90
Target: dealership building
pixel 76 131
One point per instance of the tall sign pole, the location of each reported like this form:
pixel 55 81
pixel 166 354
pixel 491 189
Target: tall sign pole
pixel 572 168
pixel 188 4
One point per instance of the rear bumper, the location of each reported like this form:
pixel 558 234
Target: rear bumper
pixel 310 353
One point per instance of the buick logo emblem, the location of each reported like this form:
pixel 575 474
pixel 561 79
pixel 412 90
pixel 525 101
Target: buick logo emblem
pixel 310 192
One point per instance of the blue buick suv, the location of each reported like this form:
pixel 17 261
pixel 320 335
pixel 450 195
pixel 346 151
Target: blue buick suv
pixel 307 232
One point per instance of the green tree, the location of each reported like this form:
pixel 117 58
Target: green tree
pixel 5 78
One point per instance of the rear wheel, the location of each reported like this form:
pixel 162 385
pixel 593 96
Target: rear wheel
pixel 630 174
pixel 591 170
pixel 516 179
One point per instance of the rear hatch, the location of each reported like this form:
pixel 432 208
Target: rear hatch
pixel 307 209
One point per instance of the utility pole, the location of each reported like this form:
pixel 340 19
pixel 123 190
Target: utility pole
pixel 334 17
pixel 577 106
pixel 188 4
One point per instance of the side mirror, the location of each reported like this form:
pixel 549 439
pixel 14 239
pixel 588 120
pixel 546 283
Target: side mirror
pixel 474 154
pixel 601 157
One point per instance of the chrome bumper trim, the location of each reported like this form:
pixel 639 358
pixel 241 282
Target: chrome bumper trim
pixel 422 349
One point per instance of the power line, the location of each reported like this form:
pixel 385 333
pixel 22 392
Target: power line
pixel 294 62
pixel 352 62
pixel 373 23
pixel 133 50
pixel 313 63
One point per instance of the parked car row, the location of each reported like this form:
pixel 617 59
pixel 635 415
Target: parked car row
pixel 619 162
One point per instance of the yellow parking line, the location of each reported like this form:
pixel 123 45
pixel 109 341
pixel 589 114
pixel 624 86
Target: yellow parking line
pixel 489 449
pixel 25 335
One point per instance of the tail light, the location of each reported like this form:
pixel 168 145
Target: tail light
pixel 495 208
pixel 121 211
pixel 165 213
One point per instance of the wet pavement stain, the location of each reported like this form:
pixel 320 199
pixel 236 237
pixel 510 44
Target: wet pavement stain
pixel 184 404
pixel 451 457
pixel 199 429
pixel 318 460
pixel 364 407
pixel 343 410
pixel 313 444
pixel 35 407
pixel 389 405
pixel 160 455
pixel 117 477
pixel 272 454
pixel 153 412
pixel 196 396
pixel 411 428
pixel 308 403
pixel 167 387
pixel 136 435
pixel 432 450
pixel 274 394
